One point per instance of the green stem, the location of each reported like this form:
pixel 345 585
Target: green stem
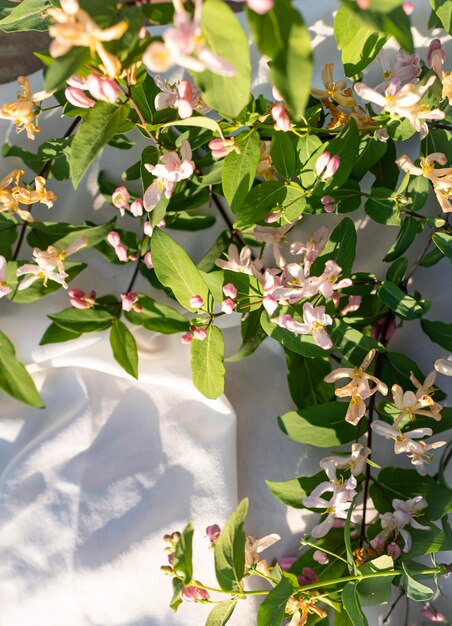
pixel 312 545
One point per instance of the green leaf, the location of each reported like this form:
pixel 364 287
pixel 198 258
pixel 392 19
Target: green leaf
pixel 229 550
pixel 404 305
pixel 405 484
pixel 8 235
pixel 271 611
pixel 207 358
pixel 292 491
pixel 82 320
pixel 199 121
pixel 427 542
pixel 414 589
pixel 124 348
pixel 352 606
pixel 157 317
pixel 359 42
pixel 282 152
pixel 340 247
pixel 376 590
pixel 305 378
pixel 176 600
pixel 260 202
pixel 346 146
pixel 100 125
pixel 224 35
pixel 418 190
pixel 371 151
pixel 431 258
pixel 57 334
pixel 183 555
pixel 14 378
pixel 444 243
pixel 252 337
pixel 176 270
pixel 37 290
pixel 439 332
pixel 443 10
pixel 221 613
pixel 397 270
pixel 282 35
pixel 300 344
pixel 207 263
pixel 93 234
pixel 239 170
pixel 26 16
pixel 405 238
pixel 400 129
pixel 64 67
pixel 322 426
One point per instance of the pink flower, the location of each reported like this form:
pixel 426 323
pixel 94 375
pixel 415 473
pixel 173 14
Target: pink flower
pixel 328 204
pixel 236 262
pixel 196 302
pixel 393 550
pixel 4 289
pixel 213 532
pixel 270 304
pixel 408 8
pixel 353 304
pixel 148 229
pixel 378 544
pixel 320 557
pixel 194 594
pixel 186 338
pixel 326 165
pixel 80 300
pixel 230 291
pixel 228 306
pixel 169 170
pixel 436 57
pixel 261 6
pixel 102 88
pixel 147 259
pixel 184 102
pixel 279 114
pixel 326 283
pixel 114 240
pixel 128 301
pixel 136 208
pixel 430 613
pixel 78 98
pixel 183 95
pixel 200 334
pixel 120 199
pixel 308 576
pixel 312 248
pixel 222 147
pixel 286 562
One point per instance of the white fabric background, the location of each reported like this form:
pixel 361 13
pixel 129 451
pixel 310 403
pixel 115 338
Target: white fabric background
pixel 89 485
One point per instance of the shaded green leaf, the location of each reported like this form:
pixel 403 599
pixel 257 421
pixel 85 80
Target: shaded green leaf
pixel 124 348
pixel 229 549
pixel 207 358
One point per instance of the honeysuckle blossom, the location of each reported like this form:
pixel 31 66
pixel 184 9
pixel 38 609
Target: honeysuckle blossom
pixel 147 260
pixel 260 6
pixel 78 98
pixel 4 289
pixel 326 165
pixel 170 169
pixel 100 88
pixel 420 454
pixel 213 532
pixel 329 205
pixel 37 195
pixel 342 494
pixel 22 112
pixel 37 272
pixel 186 338
pixel 192 593
pixel 314 321
pixel 337 91
pixel 74 27
pixel 184 45
pixel 182 95
pixel 444 366
pixel 411 404
pixel 358 389
pixel 237 262
pixel 406 69
pixel 435 59
pixel 265 167
pixel 308 576
pixel 312 248
pixel 440 177
pixel 286 562
pixel 300 609
pixel 281 117
pixel 274 237
pixel 432 615
pixel 196 302
pixel 405 513
pixel 8 198
pixel 326 283
pixel 228 306
pixel 320 557
pixel 114 240
pixel 129 302
pixel 403 101
pixel 253 548
pixel 222 147
pixel 353 304
pixel 200 334
pixel 80 300
pixel 356 462
pixel 230 291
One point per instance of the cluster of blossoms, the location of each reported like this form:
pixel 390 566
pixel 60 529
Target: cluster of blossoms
pixel 13 194
pixel 182 95
pixel 99 88
pixel 23 112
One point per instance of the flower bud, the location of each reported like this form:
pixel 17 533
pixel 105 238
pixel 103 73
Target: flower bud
pixel 80 300
pixel 148 229
pixel 228 306
pixel 136 208
pixel 102 88
pixel 270 304
pixel 113 238
pixel 121 253
pixel 200 334
pixel 320 557
pixel 196 302
pixel 222 147
pixel 332 167
pixel 393 550
pixel 286 562
pixel 261 6
pixel 120 199
pixel 194 594
pixel 308 576
pixel 273 217
pixel 230 291
pixel 78 98
pixel 408 8
pixel 128 300
pixel 147 259
pixel 186 338
pixel 213 532
pixel 279 114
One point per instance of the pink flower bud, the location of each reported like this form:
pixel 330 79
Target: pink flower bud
pixel 147 259
pixel 186 338
pixel 213 532
pixel 308 576
pixel 184 105
pixel 408 8
pixel 328 204
pixel 228 306
pixel 196 302
pixel 194 594
pixel 185 90
pixel 430 613
pixel 120 198
pixel 393 550
pixel 282 120
pixel 128 300
pixel 378 544
pixel 320 557
pixel 273 217
pixel 113 238
pixel 78 98
pixel 322 162
pixel 286 562
pixel 230 291
pixel 80 300
pixel 102 88
pixel 148 229
pixel 332 166
pixel 136 208
pixel 363 4
pixel 261 6
pixel 221 147
pixel 121 252
pixel 200 334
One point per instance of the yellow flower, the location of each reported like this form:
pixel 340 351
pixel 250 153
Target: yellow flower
pixel 74 27
pixel 300 610
pixel 39 194
pixel 11 198
pixel 337 91
pixel 23 111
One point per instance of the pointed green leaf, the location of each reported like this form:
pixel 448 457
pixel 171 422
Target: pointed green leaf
pixel 282 152
pixel 14 378
pixel 124 348
pixel 207 367
pixel 271 611
pixel 414 589
pixel 352 606
pixel 230 550
pixel 439 332
pixel 221 613
pixel 82 320
pixel 239 170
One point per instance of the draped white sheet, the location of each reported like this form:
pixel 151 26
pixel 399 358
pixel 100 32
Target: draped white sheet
pixel 89 485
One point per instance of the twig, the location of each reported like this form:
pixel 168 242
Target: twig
pixel 393 606
pixel 225 216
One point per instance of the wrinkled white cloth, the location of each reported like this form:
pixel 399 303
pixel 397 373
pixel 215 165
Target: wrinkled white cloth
pixel 90 484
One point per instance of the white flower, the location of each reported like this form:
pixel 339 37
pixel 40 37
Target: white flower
pixel 356 462
pixel 404 514
pixel 237 263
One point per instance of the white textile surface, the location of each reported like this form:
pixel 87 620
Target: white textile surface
pixel 90 484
